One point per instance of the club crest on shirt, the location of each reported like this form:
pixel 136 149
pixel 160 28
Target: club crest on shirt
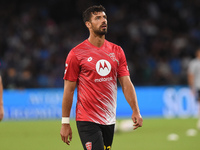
pixel 88 145
pixel 112 56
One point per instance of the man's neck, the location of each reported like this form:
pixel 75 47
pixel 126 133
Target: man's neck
pixel 96 40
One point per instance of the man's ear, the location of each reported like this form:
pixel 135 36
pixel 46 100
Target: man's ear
pixel 88 24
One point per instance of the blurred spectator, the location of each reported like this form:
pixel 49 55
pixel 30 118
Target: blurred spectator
pixel 10 78
pixel 158 37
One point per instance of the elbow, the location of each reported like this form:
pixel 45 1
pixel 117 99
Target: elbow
pixel 127 87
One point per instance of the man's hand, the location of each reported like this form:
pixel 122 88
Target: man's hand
pixel 1 112
pixel 137 119
pixel 66 133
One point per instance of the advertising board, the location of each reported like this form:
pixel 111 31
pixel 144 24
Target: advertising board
pixel 154 101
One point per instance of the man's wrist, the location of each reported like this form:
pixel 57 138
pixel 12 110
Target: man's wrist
pixel 136 110
pixel 65 120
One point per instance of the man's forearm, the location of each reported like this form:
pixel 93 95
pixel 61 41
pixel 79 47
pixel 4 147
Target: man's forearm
pixel 68 94
pixel 191 81
pixel 67 104
pixel 131 97
pixel 1 92
pixel 129 92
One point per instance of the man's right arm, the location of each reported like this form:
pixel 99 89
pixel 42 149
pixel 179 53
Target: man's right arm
pixel 190 76
pixel 66 132
pixel 1 99
pixel 191 81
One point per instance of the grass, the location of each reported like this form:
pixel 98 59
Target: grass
pixel 45 135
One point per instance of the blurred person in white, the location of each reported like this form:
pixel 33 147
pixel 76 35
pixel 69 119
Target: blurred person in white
pixel 194 80
pixel 1 99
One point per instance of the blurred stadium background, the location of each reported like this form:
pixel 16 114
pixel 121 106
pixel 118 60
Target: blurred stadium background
pixel 159 38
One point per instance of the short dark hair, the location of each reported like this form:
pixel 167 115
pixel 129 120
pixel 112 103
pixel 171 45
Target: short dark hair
pixel 87 13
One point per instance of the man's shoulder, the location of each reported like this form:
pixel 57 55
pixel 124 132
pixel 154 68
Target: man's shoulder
pixel 80 50
pixel 113 46
pixel 111 43
pixel 80 46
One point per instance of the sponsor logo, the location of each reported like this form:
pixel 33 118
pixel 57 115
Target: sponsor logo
pixel 88 145
pixel 89 59
pixel 103 79
pixel 103 67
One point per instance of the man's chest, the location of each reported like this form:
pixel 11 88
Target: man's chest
pixel 99 62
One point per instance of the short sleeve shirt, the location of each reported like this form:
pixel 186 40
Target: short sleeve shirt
pixel 96 71
pixel 194 68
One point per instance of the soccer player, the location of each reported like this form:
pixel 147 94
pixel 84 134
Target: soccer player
pixel 1 99
pixel 194 80
pixel 94 66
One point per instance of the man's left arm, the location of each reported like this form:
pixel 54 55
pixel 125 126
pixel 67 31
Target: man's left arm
pixel 131 97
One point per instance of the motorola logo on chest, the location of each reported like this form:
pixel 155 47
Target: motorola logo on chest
pixel 103 67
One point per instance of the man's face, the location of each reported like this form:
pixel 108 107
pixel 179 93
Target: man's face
pixel 99 23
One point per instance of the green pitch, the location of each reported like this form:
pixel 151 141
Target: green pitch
pixel 45 135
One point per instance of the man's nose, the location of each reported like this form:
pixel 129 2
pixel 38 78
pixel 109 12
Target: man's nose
pixel 104 20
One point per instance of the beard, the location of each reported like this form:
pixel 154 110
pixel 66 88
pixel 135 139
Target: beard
pixel 100 31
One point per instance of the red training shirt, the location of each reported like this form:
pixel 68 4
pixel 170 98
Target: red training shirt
pixel 96 71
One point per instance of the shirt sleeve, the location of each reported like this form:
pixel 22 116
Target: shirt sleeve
pixel 123 67
pixel 72 68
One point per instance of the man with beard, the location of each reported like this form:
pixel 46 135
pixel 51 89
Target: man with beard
pixel 94 66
